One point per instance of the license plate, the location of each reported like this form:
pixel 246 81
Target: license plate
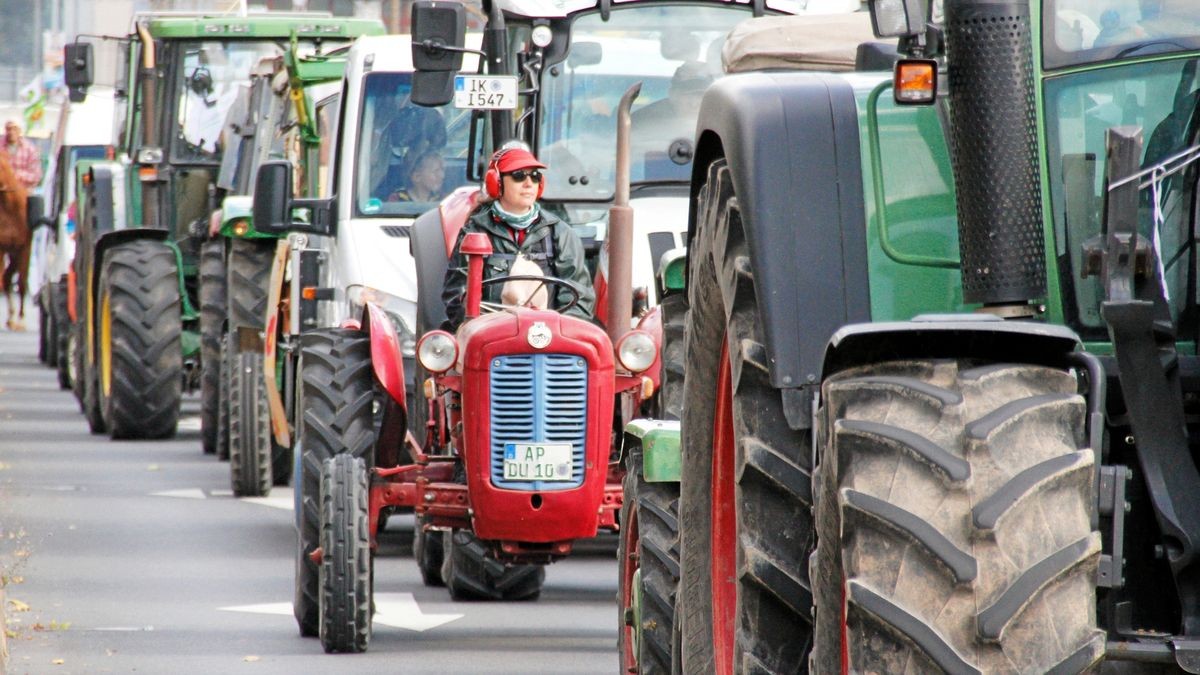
pixel 485 92
pixel 538 461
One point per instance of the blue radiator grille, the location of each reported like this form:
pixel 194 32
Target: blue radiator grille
pixel 539 398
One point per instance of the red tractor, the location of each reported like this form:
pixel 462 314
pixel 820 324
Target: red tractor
pixel 519 458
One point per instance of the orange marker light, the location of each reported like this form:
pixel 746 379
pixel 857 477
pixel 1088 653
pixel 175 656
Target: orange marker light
pixel 309 292
pixel 915 82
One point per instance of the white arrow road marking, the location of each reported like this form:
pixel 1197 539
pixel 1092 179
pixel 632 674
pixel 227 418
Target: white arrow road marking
pixel 188 423
pixel 187 493
pixel 281 498
pixel 398 610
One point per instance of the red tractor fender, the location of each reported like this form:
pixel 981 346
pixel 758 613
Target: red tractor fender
pixel 386 358
pixel 454 210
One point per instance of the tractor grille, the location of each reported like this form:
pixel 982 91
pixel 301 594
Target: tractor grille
pixel 538 398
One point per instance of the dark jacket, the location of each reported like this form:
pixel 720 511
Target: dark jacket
pixel 565 248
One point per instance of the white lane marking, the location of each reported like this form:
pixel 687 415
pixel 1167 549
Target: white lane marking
pixel 398 610
pixel 187 493
pixel 189 423
pixel 221 493
pixel 124 629
pixel 281 498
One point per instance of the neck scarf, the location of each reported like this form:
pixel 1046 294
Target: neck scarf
pixel 515 221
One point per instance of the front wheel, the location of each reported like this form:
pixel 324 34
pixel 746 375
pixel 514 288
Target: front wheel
pixel 250 467
pixel 345 575
pixel 429 552
pixel 985 560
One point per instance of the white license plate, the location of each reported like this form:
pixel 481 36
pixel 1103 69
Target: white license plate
pixel 538 461
pixel 485 92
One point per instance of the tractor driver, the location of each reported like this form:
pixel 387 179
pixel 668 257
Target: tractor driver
pixel 521 233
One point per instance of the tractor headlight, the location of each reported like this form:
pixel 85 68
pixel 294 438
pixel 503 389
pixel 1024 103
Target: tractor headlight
pixel 437 351
pixel 636 351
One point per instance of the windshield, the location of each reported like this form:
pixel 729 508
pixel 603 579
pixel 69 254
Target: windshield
pixel 673 50
pixel 1161 98
pixel 412 156
pixel 1085 31
pixel 211 75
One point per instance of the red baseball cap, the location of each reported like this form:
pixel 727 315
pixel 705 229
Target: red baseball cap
pixel 513 159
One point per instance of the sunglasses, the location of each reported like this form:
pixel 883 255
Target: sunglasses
pixel 521 174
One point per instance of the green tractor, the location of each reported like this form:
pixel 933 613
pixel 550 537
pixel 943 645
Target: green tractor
pixel 940 362
pixel 277 118
pixel 136 265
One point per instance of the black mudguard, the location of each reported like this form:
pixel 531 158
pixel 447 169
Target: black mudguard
pixel 792 143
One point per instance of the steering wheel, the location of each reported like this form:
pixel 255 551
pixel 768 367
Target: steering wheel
pixel 574 290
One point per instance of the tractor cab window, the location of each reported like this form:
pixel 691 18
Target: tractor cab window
pixel 210 75
pixel 673 50
pixel 1160 97
pixel 410 156
pixel 1086 31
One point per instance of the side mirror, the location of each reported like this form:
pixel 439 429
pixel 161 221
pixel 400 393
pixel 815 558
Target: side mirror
pixel 898 18
pixel 77 70
pixel 436 25
pixel 432 87
pixel 274 209
pixel 585 54
pixel 35 212
pixel 273 197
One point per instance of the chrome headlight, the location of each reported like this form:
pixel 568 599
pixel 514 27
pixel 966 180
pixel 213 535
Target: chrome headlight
pixel 437 351
pixel 636 351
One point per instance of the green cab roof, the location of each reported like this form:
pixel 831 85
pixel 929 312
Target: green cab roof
pixel 261 26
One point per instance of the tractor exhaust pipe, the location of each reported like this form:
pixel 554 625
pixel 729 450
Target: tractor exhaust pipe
pixel 620 230
pixel 997 169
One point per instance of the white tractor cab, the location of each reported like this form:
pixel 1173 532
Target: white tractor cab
pixel 84 133
pixel 381 157
pixel 572 62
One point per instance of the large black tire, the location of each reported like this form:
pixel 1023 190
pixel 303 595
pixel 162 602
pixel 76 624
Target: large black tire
pixel 955 513
pixel 649 543
pixel 668 403
pixel 67 347
pixel 139 305
pixel 60 354
pixel 226 368
pixel 345 576
pixel 43 352
pixel 250 468
pixel 429 552
pixel 250 439
pixel 335 416
pixel 471 574
pixel 767 466
pixel 212 328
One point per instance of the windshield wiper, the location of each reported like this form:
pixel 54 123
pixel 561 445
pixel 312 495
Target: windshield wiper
pixel 1166 46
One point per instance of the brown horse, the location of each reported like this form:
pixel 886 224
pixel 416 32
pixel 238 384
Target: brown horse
pixel 15 242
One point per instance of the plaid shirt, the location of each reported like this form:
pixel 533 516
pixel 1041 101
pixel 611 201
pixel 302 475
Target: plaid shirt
pixel 25 162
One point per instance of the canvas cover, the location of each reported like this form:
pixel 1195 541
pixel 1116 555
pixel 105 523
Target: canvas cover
pixel 806 42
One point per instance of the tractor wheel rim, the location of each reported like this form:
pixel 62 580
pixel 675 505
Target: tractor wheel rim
pixel 724 522
pixel 629 576
pixel 106 345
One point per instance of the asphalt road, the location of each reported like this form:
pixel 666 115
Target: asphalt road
pixel 133 557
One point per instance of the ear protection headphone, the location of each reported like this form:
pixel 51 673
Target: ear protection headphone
pixel 492 184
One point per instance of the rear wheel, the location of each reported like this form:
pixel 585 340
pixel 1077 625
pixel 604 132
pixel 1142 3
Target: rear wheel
pixel 140 350
pixel 68 346
pixel 250 439
pixel 212 326
pixel 223 389
pixel 335 417
pixel 986 560
pixel 745 520
pixel 470 573
pixel 345 575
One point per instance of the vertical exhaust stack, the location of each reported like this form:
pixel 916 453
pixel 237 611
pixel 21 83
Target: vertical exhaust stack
pixel 997 169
